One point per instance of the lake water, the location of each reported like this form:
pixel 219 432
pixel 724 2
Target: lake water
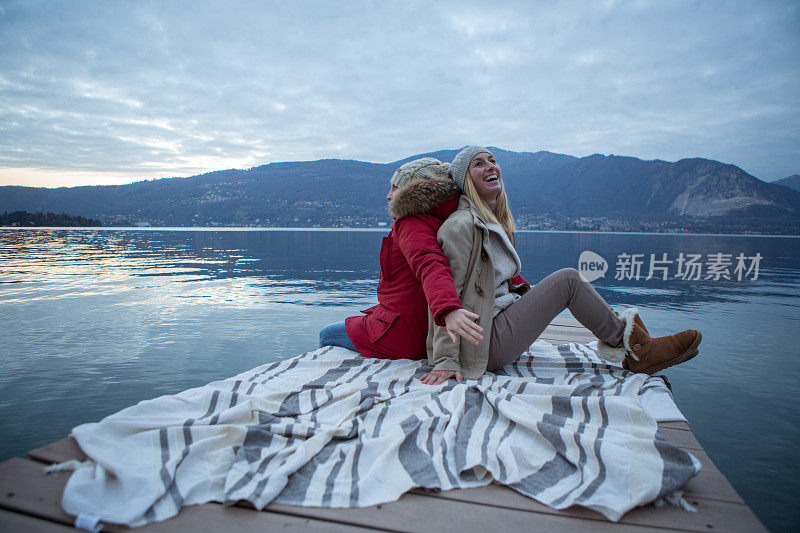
pixel 92 321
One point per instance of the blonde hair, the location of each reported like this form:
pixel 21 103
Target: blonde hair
pixel 501 213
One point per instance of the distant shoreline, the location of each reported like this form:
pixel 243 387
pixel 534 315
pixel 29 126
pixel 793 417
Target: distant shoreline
pixel 376 230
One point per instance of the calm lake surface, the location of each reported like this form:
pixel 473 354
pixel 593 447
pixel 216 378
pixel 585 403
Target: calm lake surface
pixel 92 321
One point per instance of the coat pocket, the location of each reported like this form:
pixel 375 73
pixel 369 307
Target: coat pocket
pixel 379 320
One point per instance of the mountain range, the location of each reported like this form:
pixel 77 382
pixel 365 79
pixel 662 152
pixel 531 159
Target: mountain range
pixel 792 181
pixel 546 191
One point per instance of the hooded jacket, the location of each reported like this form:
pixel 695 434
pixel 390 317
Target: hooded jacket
pixel 463 239
pixel 415 275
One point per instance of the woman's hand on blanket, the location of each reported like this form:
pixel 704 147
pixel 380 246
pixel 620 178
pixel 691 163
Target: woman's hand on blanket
pixel 462 322
pixel 434 377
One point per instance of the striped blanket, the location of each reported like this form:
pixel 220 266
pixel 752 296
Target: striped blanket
pixel 333 429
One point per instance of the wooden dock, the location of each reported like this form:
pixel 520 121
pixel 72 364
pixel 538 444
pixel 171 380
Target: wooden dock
pixel 30 499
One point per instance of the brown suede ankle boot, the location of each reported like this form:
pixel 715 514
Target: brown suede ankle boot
pixel 641 353
pixel 649 355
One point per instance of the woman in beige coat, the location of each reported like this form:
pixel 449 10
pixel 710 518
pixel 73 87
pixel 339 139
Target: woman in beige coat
pixel 478 240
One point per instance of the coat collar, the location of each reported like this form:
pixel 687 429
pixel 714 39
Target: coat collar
pixel 464 203
pixel 436 196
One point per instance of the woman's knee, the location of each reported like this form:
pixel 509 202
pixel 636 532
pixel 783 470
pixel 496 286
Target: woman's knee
pixel 330 333
pixel 570 281
pixel 336 335
pixel 569 274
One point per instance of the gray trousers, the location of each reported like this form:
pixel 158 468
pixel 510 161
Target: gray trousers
pixel 516 327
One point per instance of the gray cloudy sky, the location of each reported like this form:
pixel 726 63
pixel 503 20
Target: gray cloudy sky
pixel 112 92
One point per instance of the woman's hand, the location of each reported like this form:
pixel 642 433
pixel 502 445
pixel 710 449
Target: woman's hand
pixel 462 322
pixel 434 377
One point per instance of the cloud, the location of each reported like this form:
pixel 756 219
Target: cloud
pixel 150 89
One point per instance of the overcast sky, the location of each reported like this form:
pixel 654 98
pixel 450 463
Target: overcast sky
pixel 112 92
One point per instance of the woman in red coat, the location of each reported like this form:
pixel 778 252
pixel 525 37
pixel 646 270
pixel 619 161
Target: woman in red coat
pixel 415 275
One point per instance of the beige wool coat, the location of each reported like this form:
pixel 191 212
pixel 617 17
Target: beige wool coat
pixel 464 238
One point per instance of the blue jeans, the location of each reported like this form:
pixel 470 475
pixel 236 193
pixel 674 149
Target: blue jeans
pixel 335 335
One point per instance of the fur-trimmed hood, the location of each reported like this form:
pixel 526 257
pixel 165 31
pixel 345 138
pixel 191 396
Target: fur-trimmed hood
pixel 422 196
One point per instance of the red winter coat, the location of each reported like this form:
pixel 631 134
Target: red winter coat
pixel 415 275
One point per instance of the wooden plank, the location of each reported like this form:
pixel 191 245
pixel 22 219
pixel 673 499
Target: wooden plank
pixel 423 513
pixel 712 514
pixel 562 339
pixel 26 489
pixel 680 438
pixel 213 518
pixel 570 331
pixel 710 485
pixel 567 321
pixel 58 452
pixel 576 327
pixel 675 425
pixel 20 523
pixel 575 335
pixel 705 460
pixel 565 338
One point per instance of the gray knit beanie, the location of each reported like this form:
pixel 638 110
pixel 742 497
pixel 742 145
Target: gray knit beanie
pixel 427 167
pixel 458 168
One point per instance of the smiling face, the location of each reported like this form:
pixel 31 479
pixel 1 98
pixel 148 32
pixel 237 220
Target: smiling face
pixel 485 175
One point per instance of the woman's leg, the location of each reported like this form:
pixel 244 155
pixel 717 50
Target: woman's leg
pixel 521 323
pixel 335 335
